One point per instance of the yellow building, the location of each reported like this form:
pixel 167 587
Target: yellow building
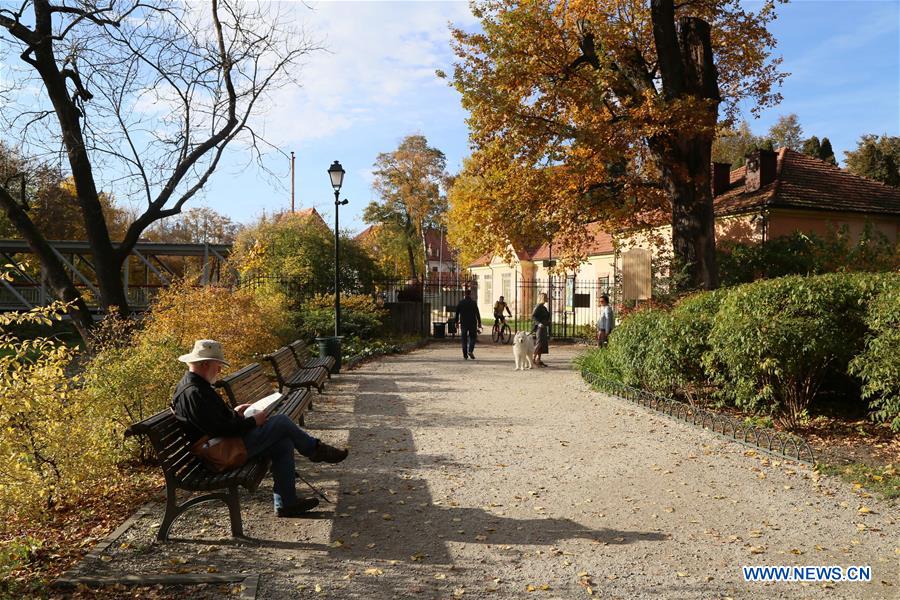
pixel 775 194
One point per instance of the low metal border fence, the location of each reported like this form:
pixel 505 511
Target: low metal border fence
pixel 775 443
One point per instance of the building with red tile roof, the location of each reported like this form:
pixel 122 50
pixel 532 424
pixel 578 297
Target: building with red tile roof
pixel 775 194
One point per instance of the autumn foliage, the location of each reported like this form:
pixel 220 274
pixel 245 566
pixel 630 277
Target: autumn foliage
pixel 601 110
pixel 55 440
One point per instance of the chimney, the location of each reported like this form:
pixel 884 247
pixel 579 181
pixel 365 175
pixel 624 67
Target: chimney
pixel 761 166
pixel 721 178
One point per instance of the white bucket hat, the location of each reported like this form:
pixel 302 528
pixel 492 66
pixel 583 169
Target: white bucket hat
pixel 205 350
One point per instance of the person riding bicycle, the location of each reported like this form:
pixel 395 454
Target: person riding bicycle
pixel 499 306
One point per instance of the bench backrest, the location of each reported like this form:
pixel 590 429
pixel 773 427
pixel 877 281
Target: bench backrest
pixel 247 385
pixel 284 364
pixel 301 352
pixel 169 442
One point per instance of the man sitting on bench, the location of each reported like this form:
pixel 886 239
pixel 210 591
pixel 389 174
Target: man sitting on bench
pixel 201 411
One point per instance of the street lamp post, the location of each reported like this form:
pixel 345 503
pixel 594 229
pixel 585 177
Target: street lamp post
pixel 336 172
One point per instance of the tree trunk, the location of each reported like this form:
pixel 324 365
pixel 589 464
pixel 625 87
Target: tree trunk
pixel 54 269
pixel 107 263
pixel 686 174
pixel 688 73
pixel 412 259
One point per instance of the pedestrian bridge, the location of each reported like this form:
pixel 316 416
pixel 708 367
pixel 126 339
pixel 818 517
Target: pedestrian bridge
pixel 150 267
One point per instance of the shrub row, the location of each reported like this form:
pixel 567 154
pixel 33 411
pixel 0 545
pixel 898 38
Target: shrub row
pixel 63 414
pixel 773 346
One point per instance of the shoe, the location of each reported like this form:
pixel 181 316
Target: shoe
pixel 329 454
pixel 472 356
pixel 303 506
pixel 465 357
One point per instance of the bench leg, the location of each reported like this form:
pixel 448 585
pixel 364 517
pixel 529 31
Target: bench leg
pixel 172 513
pixel 233 500
pixel 175 510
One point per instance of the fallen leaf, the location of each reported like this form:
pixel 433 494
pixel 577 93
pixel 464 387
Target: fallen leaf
pixel 374 572
pixel 757 549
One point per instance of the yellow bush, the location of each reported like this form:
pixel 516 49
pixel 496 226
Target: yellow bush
pixel 135 371
pixel 245 327
pixel 54 439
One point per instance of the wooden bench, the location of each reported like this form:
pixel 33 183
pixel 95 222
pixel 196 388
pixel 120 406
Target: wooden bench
pixel 251 383
pixel 291 375
pixel 184 471
pixel 305 361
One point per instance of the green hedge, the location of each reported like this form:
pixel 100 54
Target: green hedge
pixel 771 346
pixel 879 364
pixel 360 317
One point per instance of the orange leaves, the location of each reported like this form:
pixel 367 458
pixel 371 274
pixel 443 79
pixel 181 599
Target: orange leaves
pixel 565 100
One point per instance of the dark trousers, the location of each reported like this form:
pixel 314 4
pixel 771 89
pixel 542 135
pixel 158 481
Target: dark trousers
pixel 468 334
pixel 279 437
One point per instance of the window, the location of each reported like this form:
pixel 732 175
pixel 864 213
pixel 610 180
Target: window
pixel 506 286
pixel 434 269
pixel 488 289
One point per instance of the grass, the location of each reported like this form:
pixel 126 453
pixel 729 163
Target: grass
pixel 883 481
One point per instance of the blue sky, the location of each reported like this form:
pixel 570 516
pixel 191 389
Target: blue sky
pixel 377 84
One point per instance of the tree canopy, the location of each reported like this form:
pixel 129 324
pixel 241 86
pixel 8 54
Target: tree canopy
pixel 786 132
pixel 876 157
pixel 733 145
pixel 603 110
pixel 410 182
pixel 144 93
pixel 300 248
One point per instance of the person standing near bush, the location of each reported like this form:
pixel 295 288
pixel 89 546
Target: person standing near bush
pixel 469 319
pixel 201 411
pixel 541 317
pixel 606 322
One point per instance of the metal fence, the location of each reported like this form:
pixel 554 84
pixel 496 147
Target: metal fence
pixel 574 304
pixel 422 303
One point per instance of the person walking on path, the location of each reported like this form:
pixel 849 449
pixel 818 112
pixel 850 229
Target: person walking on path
pixel 606 322
pixel 201 411
pixel 469 320
pixel 541 317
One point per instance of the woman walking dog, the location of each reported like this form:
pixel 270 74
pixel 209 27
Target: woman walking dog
pixel 541 318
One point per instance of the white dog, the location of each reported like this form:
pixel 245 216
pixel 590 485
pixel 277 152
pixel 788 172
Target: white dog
pixel 523 349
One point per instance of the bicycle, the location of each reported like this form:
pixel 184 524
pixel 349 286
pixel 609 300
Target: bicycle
pixel 501 332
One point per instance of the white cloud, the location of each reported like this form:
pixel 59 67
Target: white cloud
pixel 379 56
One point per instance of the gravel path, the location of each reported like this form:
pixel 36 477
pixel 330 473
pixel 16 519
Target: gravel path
pixel 467 479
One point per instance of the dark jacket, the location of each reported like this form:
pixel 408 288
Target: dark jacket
pixel 201 411
pixel 467 313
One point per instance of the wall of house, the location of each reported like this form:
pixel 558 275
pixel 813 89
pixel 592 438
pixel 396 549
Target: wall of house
pixel 785 222
pixel 746 229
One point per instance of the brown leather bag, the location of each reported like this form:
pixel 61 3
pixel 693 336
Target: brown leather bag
pixel 220 453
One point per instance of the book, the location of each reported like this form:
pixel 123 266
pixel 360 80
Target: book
pixel 263 404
